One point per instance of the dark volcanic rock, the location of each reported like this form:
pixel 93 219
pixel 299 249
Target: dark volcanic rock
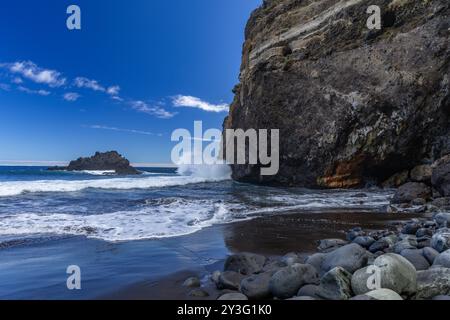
pixel 245 263
pixel 111 160
pixel 350 257
pixel 410 191
pixel 351 108
pixel 441 177
pixel 286 282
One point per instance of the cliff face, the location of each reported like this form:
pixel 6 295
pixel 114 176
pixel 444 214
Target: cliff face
pixel 353 106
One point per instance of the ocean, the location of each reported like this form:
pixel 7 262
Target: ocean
pixel 121 230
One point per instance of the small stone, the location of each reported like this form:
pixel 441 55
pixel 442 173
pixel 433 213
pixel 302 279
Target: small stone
pixel 310 290
pixel 291 258
pixel 441 240
pixel 442 260
pixel 336 285
pixel 430 254
pixel 384 294
pixel 411 228
pixel 415 256
pixel 245 263
pixel 441 202
pixel 442 219
pixel 286 282
pixel 410 191
pixel 327 245
pixel 359 281
pixel 192 282
pixel 233 297
pixel 198 293
pixel 316 260
pixel 229 280
pixel 432 282
pixel 424 232
pixel 304 298
pixel 350 257
pixel 404 244
pixel 256 287
pixel 364 241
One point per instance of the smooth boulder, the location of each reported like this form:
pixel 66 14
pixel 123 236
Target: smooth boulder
pixel 286 282
pixel 245 263
pixel 235 296
pixel 441 240
pixel 336 285
pixel 364 241
pixel 433 282
pixel 415 256
pixel 350 257
pixel 229 280
pixel 442 260
pixel 384 294
pixel 430 254
pixel 397 273
pixel 256 287
pixel 359 281
pixel 410 191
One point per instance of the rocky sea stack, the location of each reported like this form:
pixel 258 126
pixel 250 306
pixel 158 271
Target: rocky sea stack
pixel 107 161
pixel 354 106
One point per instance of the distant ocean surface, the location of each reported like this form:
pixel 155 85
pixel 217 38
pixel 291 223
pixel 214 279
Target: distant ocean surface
pixel 40 209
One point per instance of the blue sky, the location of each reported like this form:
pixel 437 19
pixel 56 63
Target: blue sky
pixel 135 72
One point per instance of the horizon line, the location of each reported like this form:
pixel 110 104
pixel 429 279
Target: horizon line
pixel 37 163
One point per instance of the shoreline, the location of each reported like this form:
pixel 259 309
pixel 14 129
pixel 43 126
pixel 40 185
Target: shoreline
pixel 272 236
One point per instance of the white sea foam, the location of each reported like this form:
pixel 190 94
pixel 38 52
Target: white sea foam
pixel 99 172
pixel 170 217
pixel 12 188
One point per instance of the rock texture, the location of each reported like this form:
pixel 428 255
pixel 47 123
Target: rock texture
pixel 111 160
pixel 353 106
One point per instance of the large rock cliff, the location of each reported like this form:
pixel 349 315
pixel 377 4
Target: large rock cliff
pixel 353 106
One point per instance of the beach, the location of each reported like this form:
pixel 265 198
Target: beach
pixel 271 236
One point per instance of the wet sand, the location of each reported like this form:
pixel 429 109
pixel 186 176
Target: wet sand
pixel 270 236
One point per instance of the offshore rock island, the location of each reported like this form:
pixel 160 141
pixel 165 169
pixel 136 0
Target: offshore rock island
pixel 354 106
pixel 107 161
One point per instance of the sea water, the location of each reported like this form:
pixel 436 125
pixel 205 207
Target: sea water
pixel 123 228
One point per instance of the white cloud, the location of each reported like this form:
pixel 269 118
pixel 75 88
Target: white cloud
pixel 31 71
pixel 17 80
pixel 82 82
pixel 101 127
pixel 156 111
pixel 193 102
pixel 71 96
pixel 30 91
pixel 114 90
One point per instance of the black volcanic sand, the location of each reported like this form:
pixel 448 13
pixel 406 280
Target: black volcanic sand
pixel 270 236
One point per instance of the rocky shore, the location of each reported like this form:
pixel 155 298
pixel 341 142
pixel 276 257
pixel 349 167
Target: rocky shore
pixel 412 262
pixel 425 188
pixel 106 161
